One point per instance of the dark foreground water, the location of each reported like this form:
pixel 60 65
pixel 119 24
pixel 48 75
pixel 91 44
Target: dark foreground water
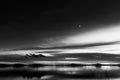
pixel 60 73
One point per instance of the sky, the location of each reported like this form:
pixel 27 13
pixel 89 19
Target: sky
pixel 59 23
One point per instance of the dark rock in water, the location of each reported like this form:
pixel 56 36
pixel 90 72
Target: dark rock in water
pixel 98 65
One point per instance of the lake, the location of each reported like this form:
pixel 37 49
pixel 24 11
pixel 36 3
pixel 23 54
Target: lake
pixel 61 72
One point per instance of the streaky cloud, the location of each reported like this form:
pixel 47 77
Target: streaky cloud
pixel 67 46
pixel 100 35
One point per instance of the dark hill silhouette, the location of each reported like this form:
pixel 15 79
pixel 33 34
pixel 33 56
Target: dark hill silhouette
pixel 3 65
pixel 18 65
pixel 35 65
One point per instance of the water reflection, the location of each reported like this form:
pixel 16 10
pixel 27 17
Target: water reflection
pixel 90 72
pixel 110 68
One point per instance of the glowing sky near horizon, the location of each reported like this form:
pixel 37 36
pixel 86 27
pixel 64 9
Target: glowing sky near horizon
pixel 106 34
pixel 100 35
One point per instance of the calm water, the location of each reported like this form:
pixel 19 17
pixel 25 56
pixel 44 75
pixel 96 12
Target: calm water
pixel 60 73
